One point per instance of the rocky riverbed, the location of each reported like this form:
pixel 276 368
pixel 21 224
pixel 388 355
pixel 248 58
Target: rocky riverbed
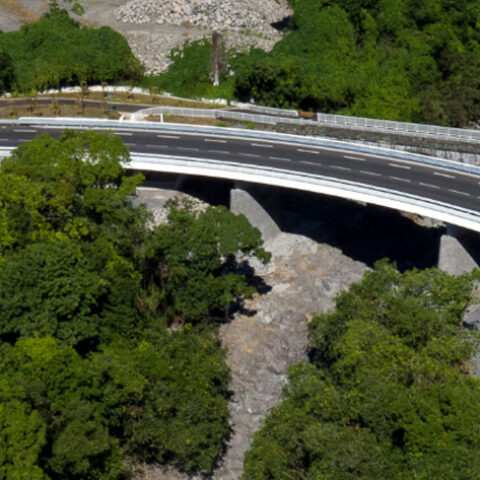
pixel 303 277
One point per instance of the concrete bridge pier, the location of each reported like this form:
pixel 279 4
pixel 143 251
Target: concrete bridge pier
pixel 459 251
pixel 252 201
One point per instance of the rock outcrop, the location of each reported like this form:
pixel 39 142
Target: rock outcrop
pixel 239 15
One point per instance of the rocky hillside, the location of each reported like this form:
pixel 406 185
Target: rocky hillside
pixel 239 15
pixel 169 23
pixel 154 27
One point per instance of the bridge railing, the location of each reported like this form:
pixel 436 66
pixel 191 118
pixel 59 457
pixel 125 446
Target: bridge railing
pixel 398 127
pixel 272 116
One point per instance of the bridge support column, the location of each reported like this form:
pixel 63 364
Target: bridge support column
pixel 453 256
pixel 243 201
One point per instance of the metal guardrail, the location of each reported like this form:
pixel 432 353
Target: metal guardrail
pixel 244 133
pixel 398 127
pixel 271 116
pixel 280 112
pixel 291 117
pixel 180 111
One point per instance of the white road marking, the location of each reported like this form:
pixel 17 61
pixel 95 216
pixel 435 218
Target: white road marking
pixel 282 159
pixel 168 136
pixel 131 144
pixel 396 165
pixel 368 172
pixel 446 175
pixel 4 139
pixel 308 163
pixel 307 151
pixel 338 167
pixel 219 151
pixel 253 155
pixel 157 146
pixel 263 145
pixel 189 149
pixel 459 193
pixel 350 157
pixel 430 185
pixel 124 134
pixel 20 130
pixel 400 179
pixel 214 140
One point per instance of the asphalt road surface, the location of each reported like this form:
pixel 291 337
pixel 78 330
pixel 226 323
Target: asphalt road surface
pixel 434 183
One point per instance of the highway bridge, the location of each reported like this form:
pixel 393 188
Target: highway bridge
pixel 443 190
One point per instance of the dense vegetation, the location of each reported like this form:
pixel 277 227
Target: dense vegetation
pixel 190 73
pixel 414 60
pixel 395 59
pixel 56 52
pixel 387 394
pixel 92 380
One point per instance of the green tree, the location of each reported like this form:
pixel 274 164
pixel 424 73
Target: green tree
pixel 169 396
pixel 80 182
pixel 187 260
pixel 80 294
pixel 386 395
pixel 58 386
pixel 91 378
pixel 22 434
pixel 56 51
pixel 7 72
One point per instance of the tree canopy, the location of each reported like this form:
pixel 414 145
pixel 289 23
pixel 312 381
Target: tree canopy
pixel 401 60
pixel 93 380
pixel 387 394
pixel 56 52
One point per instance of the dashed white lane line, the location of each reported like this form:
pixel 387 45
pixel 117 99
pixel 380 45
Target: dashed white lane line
pixel 157 146
pixel 429 185
pixel 224 152
pixel 458 192
pixel 400 179
pixel 214 140
pixel 252 155
pixel 168 136
pixel 396 165
pixel 4 139
pixel 338 167
pixel 351 157
pixel 262 145
pixel 124 134
pixel 368 172
pixel 308 151
pixel 24 130
pixel 441 174
pixel 188 149
pixel 130 144
pixel 306 162
pixel 282 159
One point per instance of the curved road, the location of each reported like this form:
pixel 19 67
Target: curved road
pixel 449 186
